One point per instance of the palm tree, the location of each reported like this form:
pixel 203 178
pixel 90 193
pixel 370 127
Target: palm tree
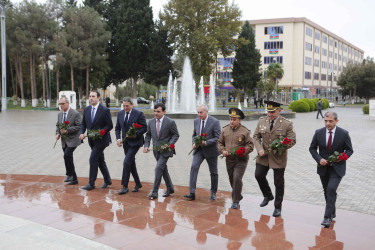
pixel 275 71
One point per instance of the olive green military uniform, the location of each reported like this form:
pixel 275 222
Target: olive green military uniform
pixel 229 140
pixel 263 137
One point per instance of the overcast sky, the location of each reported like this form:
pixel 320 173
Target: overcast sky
pixel 353 20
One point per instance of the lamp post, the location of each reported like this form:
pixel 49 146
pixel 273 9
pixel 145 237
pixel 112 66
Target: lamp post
pixel 4 6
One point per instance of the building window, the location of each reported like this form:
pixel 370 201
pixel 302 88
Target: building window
pixel 339 46
pixel 339 57
pixel 316 62
pixel 307 75
pixel 344 59
pixel 317 35
pixel 330 54
pixel 273 59
pixel 330 66
pixel 339 67
pixel 274 30
pixel 325 38
pixel 273 45
pixel 324 52
pixel 309 31
pixel 335 55
pixel 308 46
pixel 331 42
pixel 316 76
pixel 317 49
pixel 323 77
pixel 335 66
pixel 324 65
pixel 345 48
pixel 335 44
pixel 307 60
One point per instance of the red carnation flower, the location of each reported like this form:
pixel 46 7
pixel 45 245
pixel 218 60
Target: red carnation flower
pixel 286 141
pixel 136 125
pixel 102 132
pixel 66 122
pixel 172 146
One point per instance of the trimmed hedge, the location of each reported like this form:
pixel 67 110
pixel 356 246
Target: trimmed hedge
pixel 366 109
pixel 309 102
pixel 300 106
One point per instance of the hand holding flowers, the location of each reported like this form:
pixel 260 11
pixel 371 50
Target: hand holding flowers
pixel 166 147
pixel 132 132
pixel 199 141
pixel 277 146
pixel 63 126
pixel 96 133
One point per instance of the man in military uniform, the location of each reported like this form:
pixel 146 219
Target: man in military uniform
pixel 231 138
pixel 271 127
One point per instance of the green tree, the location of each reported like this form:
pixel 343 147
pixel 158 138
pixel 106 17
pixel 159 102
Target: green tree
pixel 366 85
pixel 275 72
pixel 159 62
pixel 131 25
pixel 200 29
pixel 246 72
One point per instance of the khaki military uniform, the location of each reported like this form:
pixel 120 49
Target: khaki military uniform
pixel 263 137
pixel 229 140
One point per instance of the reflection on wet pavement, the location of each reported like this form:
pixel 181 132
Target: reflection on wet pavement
pixel 132 221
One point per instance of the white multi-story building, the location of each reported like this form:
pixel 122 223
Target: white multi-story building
pixel 312 57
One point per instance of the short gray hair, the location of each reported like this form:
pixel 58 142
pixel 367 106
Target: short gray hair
pixel 128 99
pixel 331 113
pixel 204 106
pixel 64 97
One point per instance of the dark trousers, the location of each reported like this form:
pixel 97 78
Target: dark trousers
pixel 129 166
pixel 212 165
pixel 278 179
pixel 319 112
pixel 236 170
pixel 161 170
pixel 97 160
pixel 330 182
pixel 69 163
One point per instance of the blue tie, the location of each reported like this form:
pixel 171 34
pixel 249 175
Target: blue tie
pixel 92 114
pixel 126 119
pixel 64 119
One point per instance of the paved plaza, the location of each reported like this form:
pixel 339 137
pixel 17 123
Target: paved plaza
pixel 27 139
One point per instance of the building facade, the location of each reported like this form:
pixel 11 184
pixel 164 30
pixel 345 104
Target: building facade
pixel 312 57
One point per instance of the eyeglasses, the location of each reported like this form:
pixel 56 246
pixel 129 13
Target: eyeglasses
pixel 62 103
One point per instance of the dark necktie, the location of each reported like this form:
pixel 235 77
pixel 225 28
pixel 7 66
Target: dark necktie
pixel 126 119
pixel 271 127
pixel 329 145
pixel 92 114
pixel 202 127
pixel 64 119
pixel 158 127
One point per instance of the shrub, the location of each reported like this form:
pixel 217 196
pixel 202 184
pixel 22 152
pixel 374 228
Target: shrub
pixel 366 109
pixel 309 102
pixel 291 105
pixel 300 106
pixel 315 101
pixel 325 103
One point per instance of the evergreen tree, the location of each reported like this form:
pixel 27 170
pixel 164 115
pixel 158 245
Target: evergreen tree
pixel 246 73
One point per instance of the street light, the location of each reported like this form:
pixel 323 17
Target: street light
pixel 4 6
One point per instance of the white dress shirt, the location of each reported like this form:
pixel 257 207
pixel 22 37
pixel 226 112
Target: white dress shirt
pixel 327 135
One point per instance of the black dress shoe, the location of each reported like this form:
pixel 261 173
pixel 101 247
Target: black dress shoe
pixel 68 178
pixel 124 190
pixel 235 205
pixel 213 196
pixel 265 201
pixel 168 192
pixel 73 182
pixel 88 187
pixel 190 196
pixel 326 222
pixel 136 188
pixel 276 213
pixel 153 195
pixel 105 185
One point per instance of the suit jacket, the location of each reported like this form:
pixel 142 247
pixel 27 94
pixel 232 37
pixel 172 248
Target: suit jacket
pixel 212 129
pixel 102 120
pixel 72 137
pixel 341 143
pixel 168 134
pixel 136 116
pixel 263 137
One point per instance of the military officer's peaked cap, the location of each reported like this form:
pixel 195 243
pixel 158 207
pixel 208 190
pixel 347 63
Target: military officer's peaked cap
pixel 272 106
pixel 236 113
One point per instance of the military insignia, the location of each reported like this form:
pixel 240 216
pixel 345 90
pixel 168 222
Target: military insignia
pixel 281 120
pixel 239 139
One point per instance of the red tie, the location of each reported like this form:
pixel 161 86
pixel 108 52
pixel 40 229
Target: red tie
pixel 158 127
pixel 329 141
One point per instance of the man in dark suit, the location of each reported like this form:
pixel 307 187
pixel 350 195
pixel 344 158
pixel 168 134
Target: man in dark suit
pixel 69 137
pixel 328 140
pixel 125 119
pixel 161 130
pixel 97 116
pixel 210 126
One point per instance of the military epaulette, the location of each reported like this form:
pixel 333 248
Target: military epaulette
pixel 226 125
pixel 245 127
pixel 282 117
pixel 263 117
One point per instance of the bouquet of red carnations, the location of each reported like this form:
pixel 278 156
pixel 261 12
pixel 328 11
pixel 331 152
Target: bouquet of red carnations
pixel 96 133
pixel 237 152
pixel 337 157
pixel 166 147
pixel 62 125
pixel 132 132
pixel 277 146
pixel 198 140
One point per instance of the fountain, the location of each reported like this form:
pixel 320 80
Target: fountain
pixel 212 99
pixel 201 92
